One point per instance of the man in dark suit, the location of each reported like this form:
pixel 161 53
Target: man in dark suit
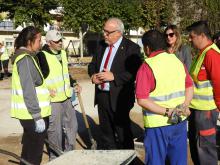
pixel 113 70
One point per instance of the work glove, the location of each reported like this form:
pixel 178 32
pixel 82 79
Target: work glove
pixel 40 126
pixel 182 110
pixel 177 112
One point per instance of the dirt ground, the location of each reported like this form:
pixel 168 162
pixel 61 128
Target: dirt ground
pixel 13 141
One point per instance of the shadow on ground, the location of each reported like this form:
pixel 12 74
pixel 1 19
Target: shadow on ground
pixel 96 134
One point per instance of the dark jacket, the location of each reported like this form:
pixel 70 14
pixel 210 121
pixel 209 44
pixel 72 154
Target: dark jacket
pixel 124 68
pixel 185 55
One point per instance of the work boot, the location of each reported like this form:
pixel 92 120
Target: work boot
pixel 8 74
pixel 1 76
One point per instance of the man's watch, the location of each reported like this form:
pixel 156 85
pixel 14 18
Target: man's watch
pixel 166 112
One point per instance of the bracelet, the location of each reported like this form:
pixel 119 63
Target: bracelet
pixel 166 112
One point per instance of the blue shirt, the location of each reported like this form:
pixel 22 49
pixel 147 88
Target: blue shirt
pixel 112 56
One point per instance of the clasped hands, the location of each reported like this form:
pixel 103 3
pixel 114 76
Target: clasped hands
pixel 180 110
pixel 176 113
pixel 102 77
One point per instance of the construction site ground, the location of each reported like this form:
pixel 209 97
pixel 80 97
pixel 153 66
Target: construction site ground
pixel 11 131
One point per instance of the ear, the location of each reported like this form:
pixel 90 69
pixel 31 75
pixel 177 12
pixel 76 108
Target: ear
pixel 49 43
pixel 147 50
pixel 29 45
pixel 203 35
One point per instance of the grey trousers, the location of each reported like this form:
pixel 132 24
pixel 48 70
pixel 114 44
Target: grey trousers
pixel 63 126
pixel 202 137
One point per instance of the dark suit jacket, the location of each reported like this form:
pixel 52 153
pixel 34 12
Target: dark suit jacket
pixel 124 68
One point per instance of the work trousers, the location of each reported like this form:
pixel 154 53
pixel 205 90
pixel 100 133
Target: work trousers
pixel 33 142
pixel 202 137
pixel 166 142
pixel 63 126
pixel 115 126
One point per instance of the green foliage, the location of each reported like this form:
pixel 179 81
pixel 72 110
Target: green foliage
pixel 156 13
pixel 211 8
pixel 134 13
pixel 95 13
pixel 78 12
pixel 193 10
pixel 29 11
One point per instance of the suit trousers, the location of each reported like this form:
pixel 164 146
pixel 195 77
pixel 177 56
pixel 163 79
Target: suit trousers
pixel 115 126
pixel 33 142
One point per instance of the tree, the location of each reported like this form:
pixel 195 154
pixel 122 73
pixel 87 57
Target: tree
pixel 193 10
pixel 156 13
pixel 211 13
pixel 95 13
pixel 29 11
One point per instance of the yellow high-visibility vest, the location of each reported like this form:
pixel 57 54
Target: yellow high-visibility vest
pixel 203 91
pixel 58 78
pixel 5 55
pixel 18 106
pixel 169 90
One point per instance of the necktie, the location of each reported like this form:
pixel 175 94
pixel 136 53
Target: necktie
pixel 106 62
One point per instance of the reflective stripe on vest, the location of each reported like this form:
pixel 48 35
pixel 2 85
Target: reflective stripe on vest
pixel 5 55
pixel 58 78
pixel 203 91
pixel 169 97
pixel 18 106
pixel 169 90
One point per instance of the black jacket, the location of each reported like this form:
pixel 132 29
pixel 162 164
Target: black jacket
pixel 124 68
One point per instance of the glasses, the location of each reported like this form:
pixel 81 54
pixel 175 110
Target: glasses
pixel 57 42
pixel 108 32
pixel 170 35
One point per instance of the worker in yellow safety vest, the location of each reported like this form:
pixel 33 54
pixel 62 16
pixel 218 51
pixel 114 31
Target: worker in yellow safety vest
pixel 205 104
pixel 54 65
pixel 30 97
pixel 4 60
pixel 164 90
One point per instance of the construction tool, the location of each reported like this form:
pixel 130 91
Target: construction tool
pixel 92 140
pixel 15 156
pixel 54 147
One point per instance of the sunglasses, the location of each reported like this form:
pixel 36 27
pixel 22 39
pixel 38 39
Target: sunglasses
pixel 170 34
pixel 57 42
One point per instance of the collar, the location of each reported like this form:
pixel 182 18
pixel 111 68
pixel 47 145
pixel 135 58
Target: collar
pixel 153 54
pixel 117 44
pixel 210 43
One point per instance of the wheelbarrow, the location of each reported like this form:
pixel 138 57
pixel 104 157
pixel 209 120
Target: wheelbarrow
pixel 95 157
pixel 91 157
